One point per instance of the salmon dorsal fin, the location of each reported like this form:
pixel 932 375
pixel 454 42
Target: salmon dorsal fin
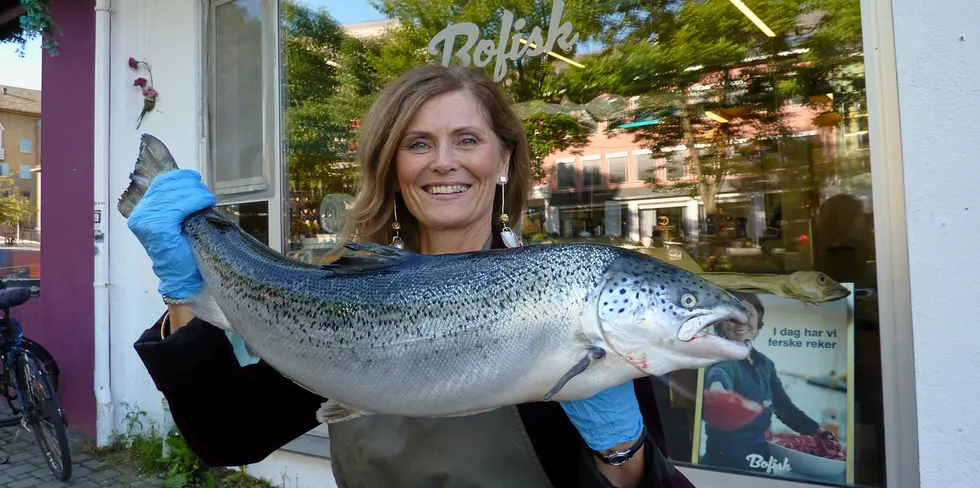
pixel 381 257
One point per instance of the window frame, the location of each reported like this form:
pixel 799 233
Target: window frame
pixel 626 168
pixel 242 190
pixel 596 183
pixel 891 255
pixel 890 222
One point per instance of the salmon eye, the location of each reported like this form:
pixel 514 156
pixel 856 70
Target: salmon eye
pixel 688 300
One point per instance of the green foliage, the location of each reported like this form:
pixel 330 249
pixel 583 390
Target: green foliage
pixel 549 133
pixel 331 79
pixel 14 208
pixel 36 21
pixel 141 446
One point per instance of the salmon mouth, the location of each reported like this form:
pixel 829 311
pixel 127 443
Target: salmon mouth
pixel 702 326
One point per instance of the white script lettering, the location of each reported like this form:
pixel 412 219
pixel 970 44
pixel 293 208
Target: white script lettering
pixel 487 50
pixel 757 461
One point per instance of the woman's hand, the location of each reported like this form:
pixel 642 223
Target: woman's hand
pixel 826 435
pixel 156 222
pixel 607 420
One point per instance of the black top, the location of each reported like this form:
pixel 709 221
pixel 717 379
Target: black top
pixel 232 415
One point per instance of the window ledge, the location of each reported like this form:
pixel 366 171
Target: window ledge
pixel 309 444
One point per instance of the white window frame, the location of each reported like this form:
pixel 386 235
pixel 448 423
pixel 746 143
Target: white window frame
pixel 626 178
pixel 891 254
pixel 269 187
pixel 571 161
pixel 588 159
pixel 898 376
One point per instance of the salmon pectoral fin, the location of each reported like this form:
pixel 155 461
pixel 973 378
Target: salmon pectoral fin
pixel 591 354
pixel 333 411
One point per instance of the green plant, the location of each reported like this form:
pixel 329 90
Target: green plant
pixel 36 21
pixel 142 445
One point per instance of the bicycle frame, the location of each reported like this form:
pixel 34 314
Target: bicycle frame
pixel 11 337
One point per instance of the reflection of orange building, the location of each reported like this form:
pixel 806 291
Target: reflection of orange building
pixel 600 192
pixel 20 142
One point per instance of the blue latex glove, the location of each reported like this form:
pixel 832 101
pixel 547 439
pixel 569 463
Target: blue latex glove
pixel 156 220
pixel 607 418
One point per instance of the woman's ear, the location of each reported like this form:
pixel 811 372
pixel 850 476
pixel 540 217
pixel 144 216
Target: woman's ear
pixel 505 171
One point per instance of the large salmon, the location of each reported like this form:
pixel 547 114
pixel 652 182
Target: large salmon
pixel 395 332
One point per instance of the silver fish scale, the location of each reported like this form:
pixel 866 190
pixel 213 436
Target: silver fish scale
pixel 444 324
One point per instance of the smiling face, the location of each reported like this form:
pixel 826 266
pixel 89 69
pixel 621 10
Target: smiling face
pixel 744 332
pixel 448 164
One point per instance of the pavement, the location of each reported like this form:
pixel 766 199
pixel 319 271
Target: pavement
pixel 25 467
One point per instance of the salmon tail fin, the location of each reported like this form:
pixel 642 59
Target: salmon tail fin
pixel 154 160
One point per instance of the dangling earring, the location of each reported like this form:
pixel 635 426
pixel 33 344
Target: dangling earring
pixel 397 241
pixel 510 239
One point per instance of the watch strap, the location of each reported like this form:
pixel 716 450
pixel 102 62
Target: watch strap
pixel 617 457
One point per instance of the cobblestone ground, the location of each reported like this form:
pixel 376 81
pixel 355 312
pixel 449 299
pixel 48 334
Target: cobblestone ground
pixel 25 466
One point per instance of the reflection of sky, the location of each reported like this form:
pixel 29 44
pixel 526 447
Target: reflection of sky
pixel 347 11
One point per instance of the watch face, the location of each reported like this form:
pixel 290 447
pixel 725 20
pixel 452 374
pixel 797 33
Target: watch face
pixel 618 458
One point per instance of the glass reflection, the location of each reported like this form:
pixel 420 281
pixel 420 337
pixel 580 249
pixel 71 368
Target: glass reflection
pixel 727 136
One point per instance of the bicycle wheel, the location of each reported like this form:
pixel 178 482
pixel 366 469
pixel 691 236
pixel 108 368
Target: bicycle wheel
pixel 45 359
pixel 44 415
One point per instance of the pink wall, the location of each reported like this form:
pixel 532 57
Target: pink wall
pixel 67 325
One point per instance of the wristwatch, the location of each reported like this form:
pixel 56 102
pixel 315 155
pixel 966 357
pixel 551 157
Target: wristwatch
pixel 620 457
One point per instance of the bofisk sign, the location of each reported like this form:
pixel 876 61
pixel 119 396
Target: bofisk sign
pixel 509 46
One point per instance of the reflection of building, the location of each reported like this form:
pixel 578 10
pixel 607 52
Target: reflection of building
pixel 20 148
pixel 615 188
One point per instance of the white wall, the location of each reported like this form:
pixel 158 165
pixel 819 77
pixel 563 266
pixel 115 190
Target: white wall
pixel 937 46
pixel 292 470
pixel 165 34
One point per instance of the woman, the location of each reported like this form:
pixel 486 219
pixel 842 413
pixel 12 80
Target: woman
pixel 754 379
pixel 438 150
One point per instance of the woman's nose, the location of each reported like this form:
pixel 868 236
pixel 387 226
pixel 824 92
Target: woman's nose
pixel 445 159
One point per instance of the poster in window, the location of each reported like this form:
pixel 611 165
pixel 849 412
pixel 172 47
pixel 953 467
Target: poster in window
pixel 787 410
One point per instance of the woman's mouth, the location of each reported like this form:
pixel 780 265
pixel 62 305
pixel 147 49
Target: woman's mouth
pixel 446 191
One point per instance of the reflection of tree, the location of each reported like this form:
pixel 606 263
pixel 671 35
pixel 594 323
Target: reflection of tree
pixel 14 208
pixel 328 85
pixel 701 76
pixel 535 84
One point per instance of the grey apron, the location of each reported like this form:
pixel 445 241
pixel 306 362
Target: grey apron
pixel 490 449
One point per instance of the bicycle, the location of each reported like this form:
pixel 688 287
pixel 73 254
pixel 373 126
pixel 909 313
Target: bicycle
pixel 33 401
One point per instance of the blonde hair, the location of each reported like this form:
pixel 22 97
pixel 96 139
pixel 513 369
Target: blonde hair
pixel 371 216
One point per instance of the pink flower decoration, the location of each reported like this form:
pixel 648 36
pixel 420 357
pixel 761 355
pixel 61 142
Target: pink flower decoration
pixel 140 82
pixel 133 63
pixel 149 92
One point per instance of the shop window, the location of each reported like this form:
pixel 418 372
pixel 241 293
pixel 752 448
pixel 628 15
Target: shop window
pixel 617 169
pixel 241 99
pixel 566 174
pixel 676 165
pixel 764 174
pixel 591 172
pixel 644 167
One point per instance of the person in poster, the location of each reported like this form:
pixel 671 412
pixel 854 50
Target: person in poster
pixel 740 399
